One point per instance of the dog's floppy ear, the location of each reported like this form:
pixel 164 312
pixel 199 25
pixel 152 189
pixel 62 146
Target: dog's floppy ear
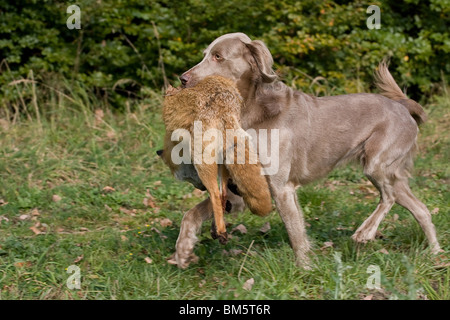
pixel 263 59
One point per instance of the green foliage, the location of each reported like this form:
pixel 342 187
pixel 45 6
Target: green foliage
pixel 124 46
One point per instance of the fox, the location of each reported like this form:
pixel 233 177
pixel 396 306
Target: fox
pixel 216 103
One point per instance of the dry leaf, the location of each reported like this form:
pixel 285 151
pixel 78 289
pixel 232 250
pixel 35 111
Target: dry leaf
pixel 157 183
pixel 148 202
pixel 24 217
pixel 233 252
pixel 22 264
pixel 2 202
pixel 248 284
pixel 78 259
pixel 108 208
pixel 111 135
pixel 35 212
pixel 435 211
pixel 241 228
pixel 369 297
pixel 327 244
pixel 98 116
pixel 127 211
pixel 123 238
pixel 383 251
pixel 35 230
pixel 442 261
pixel 265 228
pixel 56 198
pixel 84 229
pixel 166 222
pixel 108 189
pixel 148 260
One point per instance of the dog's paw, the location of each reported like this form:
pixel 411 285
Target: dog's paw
pixel 223 238
pixel 181 262
pixel 363 236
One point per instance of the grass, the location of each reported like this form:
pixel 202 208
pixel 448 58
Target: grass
pixel 91 188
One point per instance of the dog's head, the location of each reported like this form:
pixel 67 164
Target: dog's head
pixel 234 56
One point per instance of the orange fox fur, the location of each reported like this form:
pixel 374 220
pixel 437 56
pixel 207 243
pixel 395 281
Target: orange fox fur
pixel 216 102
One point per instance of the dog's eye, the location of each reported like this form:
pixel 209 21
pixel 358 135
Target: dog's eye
pixel 217 57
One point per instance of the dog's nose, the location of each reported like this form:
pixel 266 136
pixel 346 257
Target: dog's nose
pixel 184 78
pixel 159 152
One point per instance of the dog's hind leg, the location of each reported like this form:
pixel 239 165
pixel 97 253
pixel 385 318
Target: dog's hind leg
pixel 406 199
pixel 368 229
pixel 380 166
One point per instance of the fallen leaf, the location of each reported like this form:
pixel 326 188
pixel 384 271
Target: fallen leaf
pixel 159 232
pixel 2 202
pixel 22 264
pixel 265 228
pixel 327 244
pixel 99 114
pixel 84 229
pixel 111 134
pixel 166 222
pixel 148 202
pixel 127 211
pixel 123 238
pixel 248 284
pixel 23 217
pixel 384 251
pixel 56 198
pixel 241 228
pixel 148 260
pixel 108 208
pixel 201 283
pixel 435 211
pixel 369 297
pixel 78 259
pixel 35 212
pixel 233 252
pixel 442 261
pixel 108 189
pixel 35 230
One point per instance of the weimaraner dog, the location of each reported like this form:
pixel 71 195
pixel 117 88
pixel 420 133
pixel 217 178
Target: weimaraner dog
pixel 315 135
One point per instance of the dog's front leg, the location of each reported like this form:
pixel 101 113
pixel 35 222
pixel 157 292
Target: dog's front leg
pixel 190 226
pixel 292 216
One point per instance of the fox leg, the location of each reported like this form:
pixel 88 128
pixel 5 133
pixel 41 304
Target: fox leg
pixel 208 175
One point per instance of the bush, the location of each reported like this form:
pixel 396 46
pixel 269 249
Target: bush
pixel 322 47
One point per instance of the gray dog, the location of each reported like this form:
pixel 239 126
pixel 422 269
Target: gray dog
pixel 315 135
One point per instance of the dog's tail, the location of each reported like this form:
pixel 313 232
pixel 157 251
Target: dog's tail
pixel 389 88
pixel 251 185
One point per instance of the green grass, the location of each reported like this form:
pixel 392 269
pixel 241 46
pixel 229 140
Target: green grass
pixel 70 153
